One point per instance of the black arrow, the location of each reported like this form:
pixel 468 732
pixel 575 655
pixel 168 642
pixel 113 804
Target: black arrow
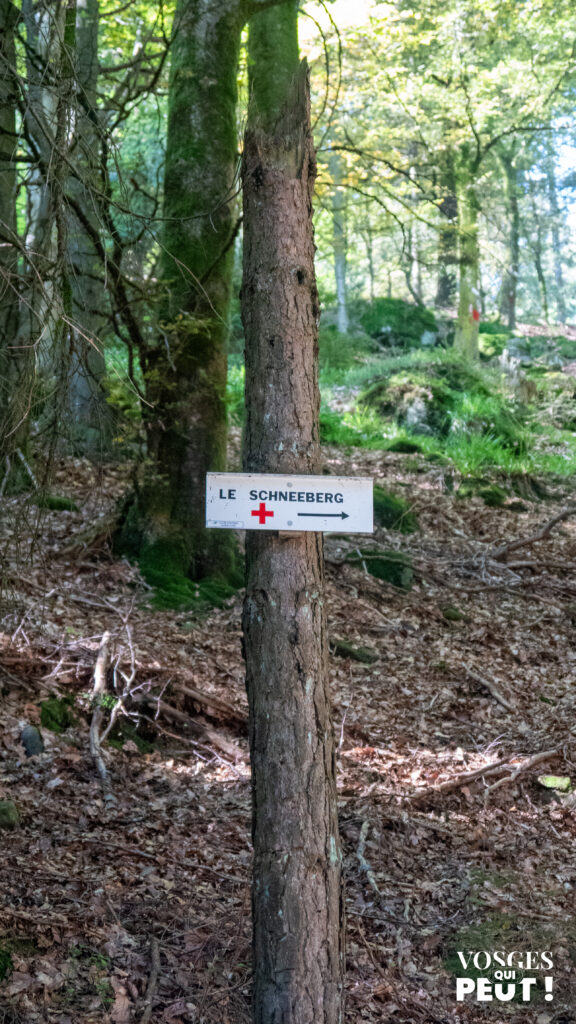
pixel 326 515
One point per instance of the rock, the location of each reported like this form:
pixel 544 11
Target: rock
pixel 344 649
pixel 31 740
pixel 9 817
pixel 453 614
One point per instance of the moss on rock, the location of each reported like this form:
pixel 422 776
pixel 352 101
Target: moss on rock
pixel 345 649
pixel 391 566
pixel 392 512
pixel 9 817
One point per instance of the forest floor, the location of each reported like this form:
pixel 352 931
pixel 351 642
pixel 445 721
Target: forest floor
pixel 137 908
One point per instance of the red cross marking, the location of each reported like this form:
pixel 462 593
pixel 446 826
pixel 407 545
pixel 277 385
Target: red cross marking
pixel 261 513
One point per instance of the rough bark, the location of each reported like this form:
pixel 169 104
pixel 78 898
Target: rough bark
pixel 466 337
pixel 185 370
pixel 14 358
pixel 298 947
pixel 89 415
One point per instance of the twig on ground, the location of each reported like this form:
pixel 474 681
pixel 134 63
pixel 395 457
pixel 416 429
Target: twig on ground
pixel 489 685
pixel 461 780
pixel 152 980
pixel 501 553
pixel 364 865
pixel 98 691
pixel 544 755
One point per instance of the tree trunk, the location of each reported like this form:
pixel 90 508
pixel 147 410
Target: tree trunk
pixel 298 945
pixel 339 242
pixel 10 412
pixel 510 281
pixel 466 337
pixel 447 235
pixel 556 224
pixel 90 419
pixel 185 370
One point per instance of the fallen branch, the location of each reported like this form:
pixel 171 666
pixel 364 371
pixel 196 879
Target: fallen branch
pixel 489 685
pixel 544 755
pixel 98 691
pixel 152 981
pixel 496 768
pixel 364 865
pixel 501 553
pixel 461 780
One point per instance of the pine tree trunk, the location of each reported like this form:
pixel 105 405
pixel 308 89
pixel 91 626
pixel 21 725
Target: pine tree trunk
pixel 466 337
pixel 298 947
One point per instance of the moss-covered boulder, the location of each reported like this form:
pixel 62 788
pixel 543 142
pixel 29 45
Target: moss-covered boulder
pixel 9 817
pixel 393 512
pixel 397 323
pixel 391 566
pixel 344 649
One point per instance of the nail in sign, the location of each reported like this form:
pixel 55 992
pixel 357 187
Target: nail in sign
pixel 271 501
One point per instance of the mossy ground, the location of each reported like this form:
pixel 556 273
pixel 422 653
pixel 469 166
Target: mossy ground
pixel 161 566
pixel 392 512
pixel 56 713
pixel 55 503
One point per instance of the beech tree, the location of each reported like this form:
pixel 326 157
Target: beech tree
pixel 297 944
pixel 185 363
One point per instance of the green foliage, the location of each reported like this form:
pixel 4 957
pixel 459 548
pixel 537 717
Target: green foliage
pixel 361 428
pixel 399 324
pixel 122 393
pixel 56 713
pixel 235 391
pixel 392 512
pixel 492 345
pixel 341 351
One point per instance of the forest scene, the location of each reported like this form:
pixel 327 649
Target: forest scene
pixel 303 775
